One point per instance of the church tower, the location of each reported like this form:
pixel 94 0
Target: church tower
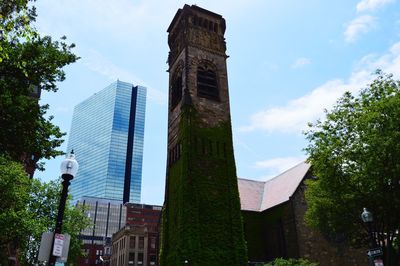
pixel 202 224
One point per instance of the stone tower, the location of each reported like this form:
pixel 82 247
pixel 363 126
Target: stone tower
pixel 202 223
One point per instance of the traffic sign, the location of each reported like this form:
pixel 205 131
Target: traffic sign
pixel 47 242
pixel 375 252
pixel 58 245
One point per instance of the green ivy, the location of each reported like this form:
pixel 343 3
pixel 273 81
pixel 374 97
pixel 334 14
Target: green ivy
pixel 291 262
pixel 271 233
pixel 202 222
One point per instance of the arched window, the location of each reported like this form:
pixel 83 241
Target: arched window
pixel 176 90
pixel 207 85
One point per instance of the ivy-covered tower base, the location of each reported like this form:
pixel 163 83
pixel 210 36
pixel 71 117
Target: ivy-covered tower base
pixel 201 222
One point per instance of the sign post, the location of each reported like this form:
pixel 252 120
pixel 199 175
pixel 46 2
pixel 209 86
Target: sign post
pixel 60 246
pixel 375 256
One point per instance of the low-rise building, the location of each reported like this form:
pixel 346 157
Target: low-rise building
pixel 107 217
pixel 137 243
pixel 273 217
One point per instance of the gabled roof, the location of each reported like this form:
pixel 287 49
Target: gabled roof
pixel 259 196
pixel 251 193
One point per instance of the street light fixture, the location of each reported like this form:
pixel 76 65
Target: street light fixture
pixel 69 168
pixel 367 216
pixel 375 253
pixel 368 219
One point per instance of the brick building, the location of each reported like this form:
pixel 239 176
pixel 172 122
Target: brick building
pixel 137 243
pixel 112 219
pixel 273 215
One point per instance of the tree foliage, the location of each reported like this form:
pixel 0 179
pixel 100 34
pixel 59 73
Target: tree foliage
pixel 291 262
pixel 28 208
pixel 29 64
pixel 355 154
pixel 15 22
pixel 14 197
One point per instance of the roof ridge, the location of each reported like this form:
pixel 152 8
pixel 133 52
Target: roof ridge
pixel 266 185
pixel 291 168
pixel 248 179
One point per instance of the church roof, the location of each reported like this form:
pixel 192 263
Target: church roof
pixel 260 196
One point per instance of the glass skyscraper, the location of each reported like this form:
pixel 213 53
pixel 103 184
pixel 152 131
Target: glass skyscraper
pixel 107 137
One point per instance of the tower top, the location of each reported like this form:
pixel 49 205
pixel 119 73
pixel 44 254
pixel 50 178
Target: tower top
pixel 187 10
pixel 197 27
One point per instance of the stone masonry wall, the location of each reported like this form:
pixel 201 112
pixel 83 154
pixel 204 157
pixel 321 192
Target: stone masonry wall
pixel 315 247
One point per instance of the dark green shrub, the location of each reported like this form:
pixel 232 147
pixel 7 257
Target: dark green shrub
pixel 291 262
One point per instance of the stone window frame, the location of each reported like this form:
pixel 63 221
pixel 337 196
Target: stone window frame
pixel 176 86
pixel 204 92
pixel 204 23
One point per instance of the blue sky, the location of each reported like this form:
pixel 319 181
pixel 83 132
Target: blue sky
pixel 288 61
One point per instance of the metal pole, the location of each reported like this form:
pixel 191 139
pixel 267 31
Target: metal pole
pixel 60 216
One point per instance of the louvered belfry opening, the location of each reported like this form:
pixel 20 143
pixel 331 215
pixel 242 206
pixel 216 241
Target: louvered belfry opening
pixel 207 85
pixel 176 90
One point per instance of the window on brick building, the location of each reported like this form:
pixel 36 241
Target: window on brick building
pixel 153 259
pixel 152 242
pixel 140 258
pixel 131 259
pixel 132 241
pixel 141 242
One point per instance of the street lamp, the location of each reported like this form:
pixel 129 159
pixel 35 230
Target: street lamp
pixel 69 168
pixel 375 253
pixel 368 219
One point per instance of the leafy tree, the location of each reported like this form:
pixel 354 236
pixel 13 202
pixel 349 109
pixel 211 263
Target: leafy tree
pixel 15 20
pixel 43 205
pixel 14 197
pixel 75 220
pixel 29 64
pixel 28 208
pixel 291 262
pixel 355 154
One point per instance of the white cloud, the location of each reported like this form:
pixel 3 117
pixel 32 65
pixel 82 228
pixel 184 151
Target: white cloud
pixel 301 62
pixel 275 166
pixel 98 63
pixel 120 18
pixel 370 5
pixel 294 116
pixel 359 25
pixel 279 164
pixel 119 27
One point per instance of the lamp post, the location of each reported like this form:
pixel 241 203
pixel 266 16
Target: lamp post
pixel 368 219
pixel 375 253
pixel 69 168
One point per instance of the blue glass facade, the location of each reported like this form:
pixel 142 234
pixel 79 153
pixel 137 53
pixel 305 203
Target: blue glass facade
pixel 106 134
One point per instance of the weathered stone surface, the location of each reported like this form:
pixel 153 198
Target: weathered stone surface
pixel 314 246
pixel 201 220
pixel 278 229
